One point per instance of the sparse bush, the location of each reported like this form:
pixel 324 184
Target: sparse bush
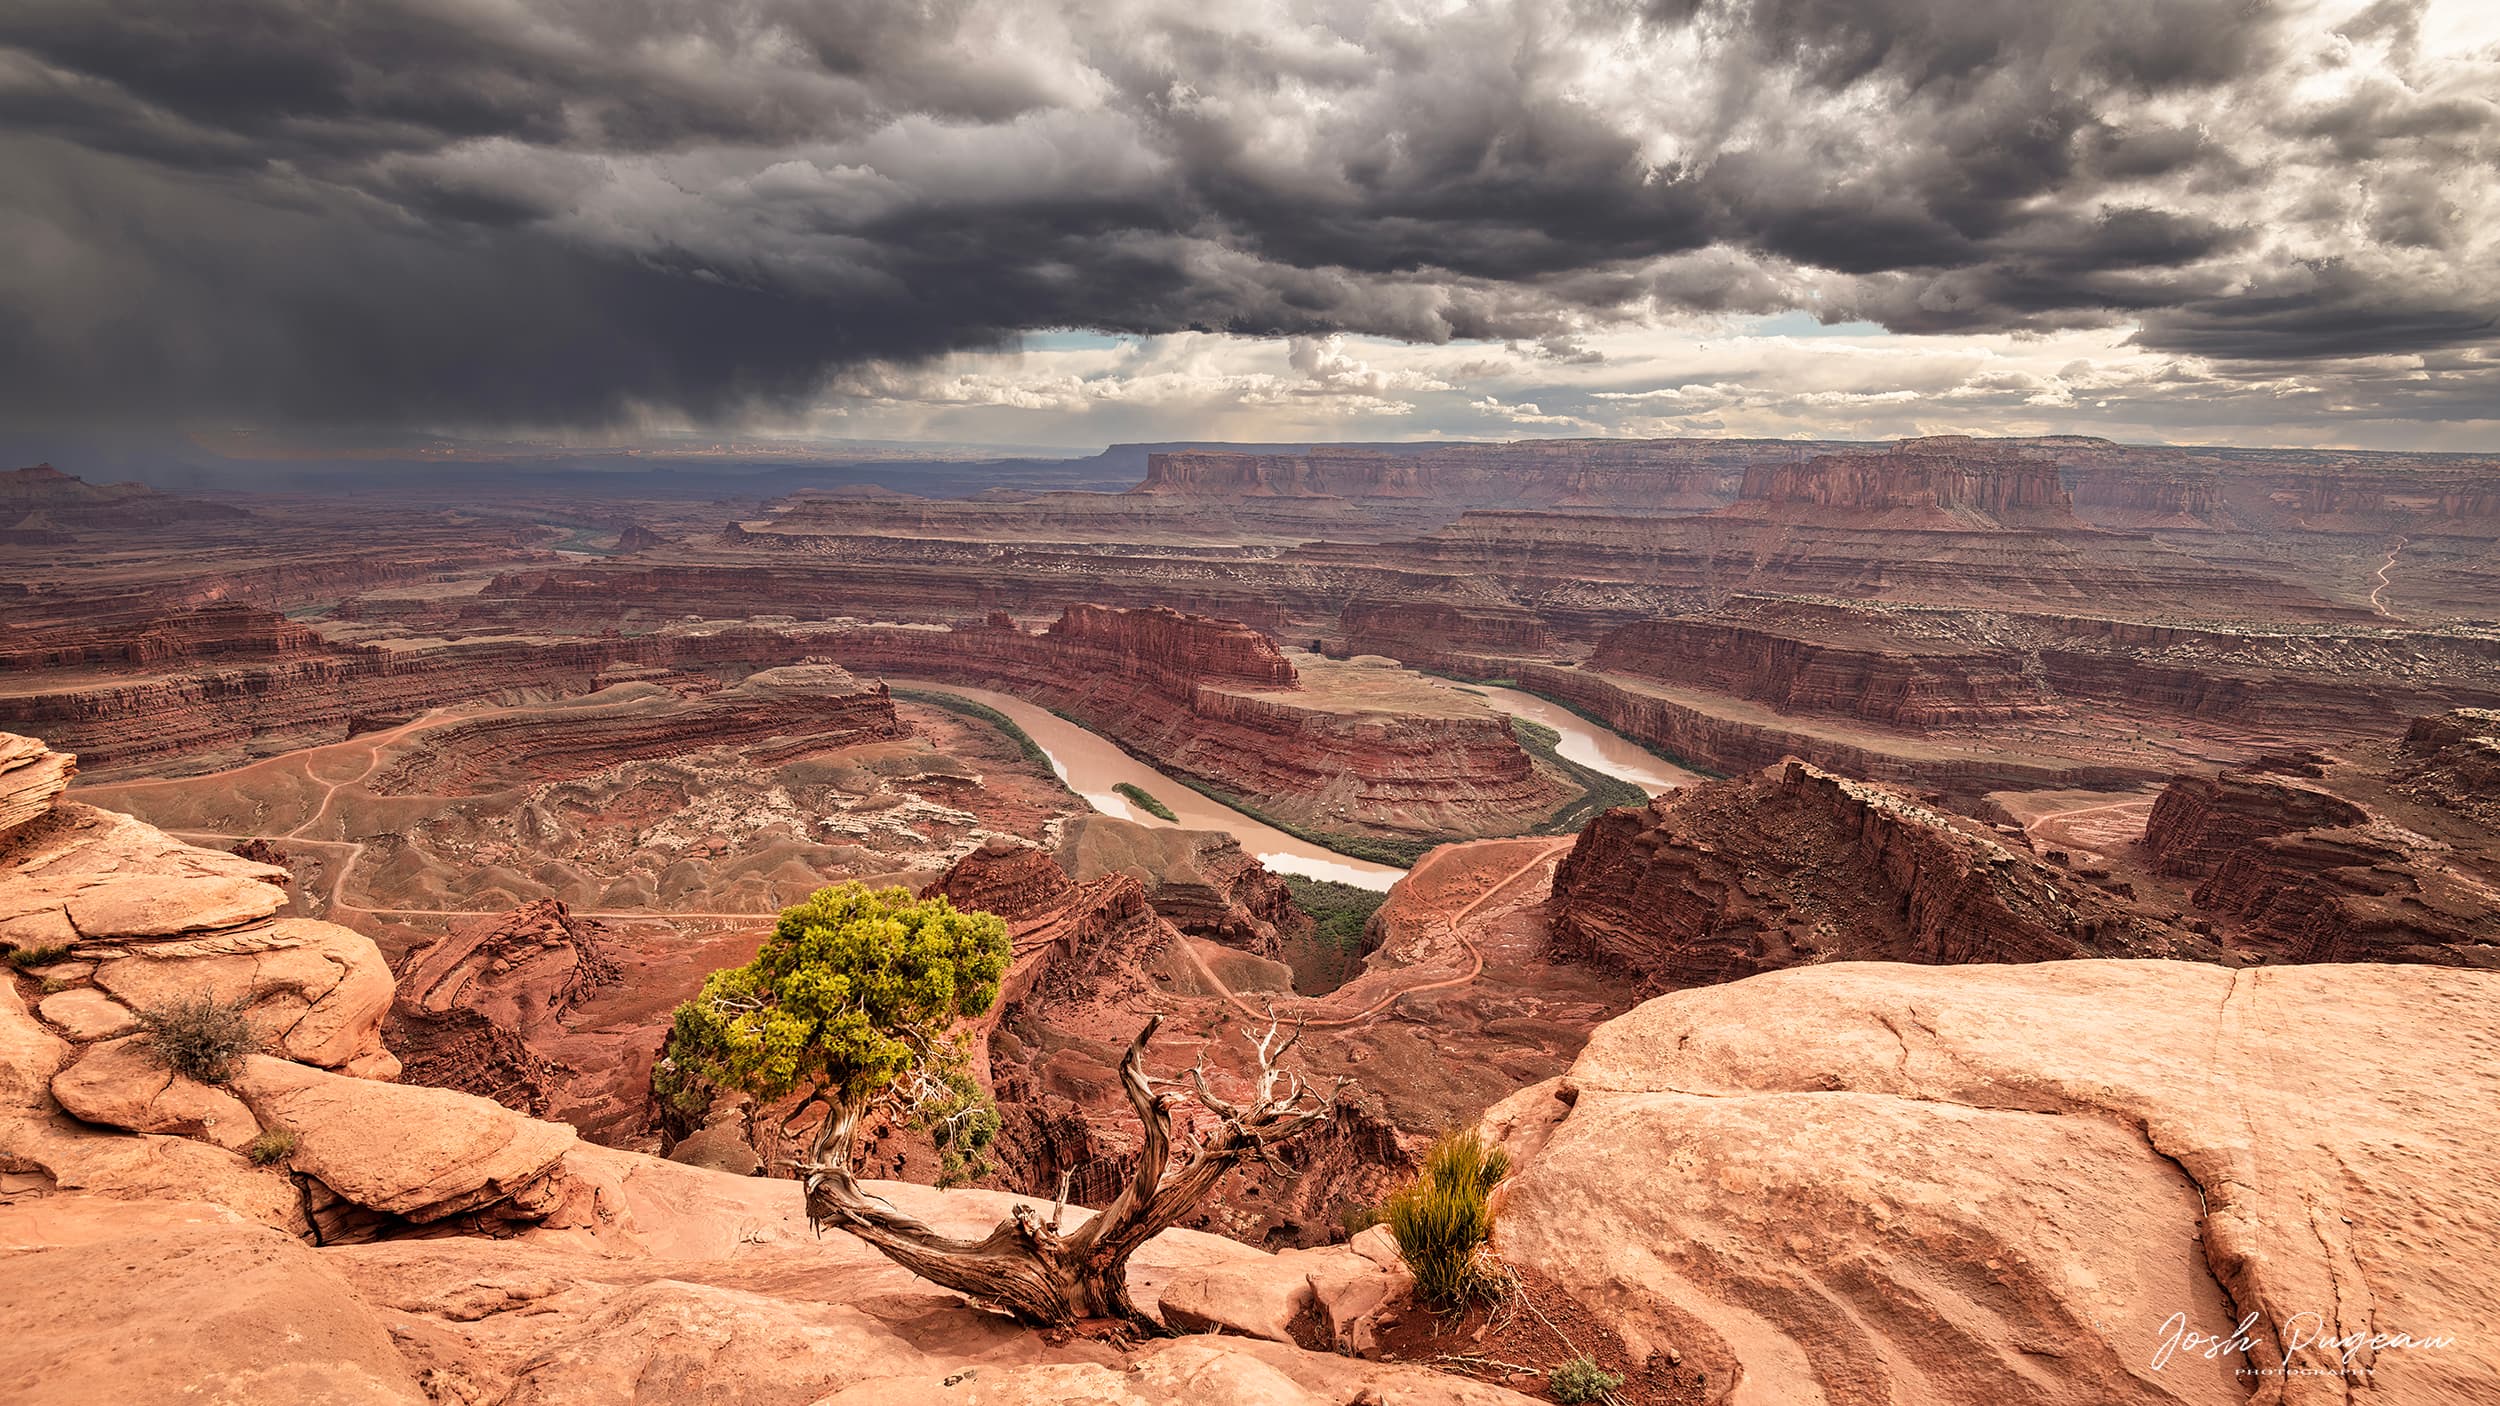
pixel 1580 1380
pixel 40 955
pixel 273 1146
pixel 199 1036
pixel 1359 1218
pixel 1444 1217
pixel 1144 800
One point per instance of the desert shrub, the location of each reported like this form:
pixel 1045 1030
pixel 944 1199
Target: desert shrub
pixel 200 1036
pixel 1580 1380
pixel 1340 912
pixel 1144 800
pixel 40 955
pixel 1444 1217
pixel 273 1146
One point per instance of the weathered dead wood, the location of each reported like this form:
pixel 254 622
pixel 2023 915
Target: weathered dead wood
pixel 1027 1266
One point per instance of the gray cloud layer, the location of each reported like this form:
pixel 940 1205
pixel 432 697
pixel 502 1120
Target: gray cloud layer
pixel 453 212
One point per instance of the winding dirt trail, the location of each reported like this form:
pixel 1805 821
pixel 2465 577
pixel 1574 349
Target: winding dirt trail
pixel 2379 591
pixel 1475 959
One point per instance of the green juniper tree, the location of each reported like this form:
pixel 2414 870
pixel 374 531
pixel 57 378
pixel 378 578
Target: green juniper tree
pixel 852 1004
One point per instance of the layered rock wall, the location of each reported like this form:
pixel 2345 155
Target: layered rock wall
pixel 819 704
pixel 1944 477
pixel 1650 475
pixel 472 1005
pixel 1298 755
pixel 1710 739
pixel 326 696
pixel 2199 821
pixel 1797 865
pixel 1901 686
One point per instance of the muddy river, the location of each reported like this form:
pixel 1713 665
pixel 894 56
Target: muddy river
pixel 1091 766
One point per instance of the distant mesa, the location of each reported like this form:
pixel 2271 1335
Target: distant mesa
pixel 43 501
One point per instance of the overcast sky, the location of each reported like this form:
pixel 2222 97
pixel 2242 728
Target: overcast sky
pixel 2260 221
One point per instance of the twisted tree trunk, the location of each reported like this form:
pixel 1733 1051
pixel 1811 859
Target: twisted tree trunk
pixel 1026 1265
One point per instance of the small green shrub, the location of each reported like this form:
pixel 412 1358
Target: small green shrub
pixel 40 955
pixel 1144 800
pixel 1580 1380
pixel 273 1146
pixel 1444 1217
pixel 200 1036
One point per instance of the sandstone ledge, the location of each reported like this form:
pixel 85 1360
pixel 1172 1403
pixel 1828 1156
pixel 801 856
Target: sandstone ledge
pixel 1869 1182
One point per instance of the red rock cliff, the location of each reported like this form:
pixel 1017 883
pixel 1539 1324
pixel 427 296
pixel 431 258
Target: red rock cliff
pixel 1796 865
pixel 1905 684
pixel 1947 477
pixel 1297 752
pixel 1177 651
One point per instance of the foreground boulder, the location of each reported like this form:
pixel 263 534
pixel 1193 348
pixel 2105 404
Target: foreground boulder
pixel 180 1301
pixel 1863 1182
pixel 416 1154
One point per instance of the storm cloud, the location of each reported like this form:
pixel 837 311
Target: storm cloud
pixel 549 212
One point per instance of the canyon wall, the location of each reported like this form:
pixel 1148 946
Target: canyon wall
pixel 2299 873
pixel 1797 865
pixel 1946 480
pixel 1906 685
pixel 1415 763
pixel 815 706
pixel 1694 730
pixel 300 695
pixel 1654 475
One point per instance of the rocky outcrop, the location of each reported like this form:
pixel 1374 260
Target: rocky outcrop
pixel 148 924
pixel 1201 881
pixel 2452 760
pixel 31 775
pixel 396 1152
pixel 473 1007
pixel 2200 821
pixel 1863 1183
pixel 2295 872
pixel 2372 893
pixel 1016 881
pixel 120 1085
pixel 1796 866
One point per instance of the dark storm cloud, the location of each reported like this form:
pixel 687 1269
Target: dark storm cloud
pixel 437 211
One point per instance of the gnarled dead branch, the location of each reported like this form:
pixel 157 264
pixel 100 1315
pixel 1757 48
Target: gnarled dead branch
pixel 1027 1265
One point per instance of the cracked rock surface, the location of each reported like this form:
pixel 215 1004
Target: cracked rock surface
pixel 1881 1183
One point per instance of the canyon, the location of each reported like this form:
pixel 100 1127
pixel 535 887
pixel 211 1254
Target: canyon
pixel 1885 798
pixel 2066 1148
